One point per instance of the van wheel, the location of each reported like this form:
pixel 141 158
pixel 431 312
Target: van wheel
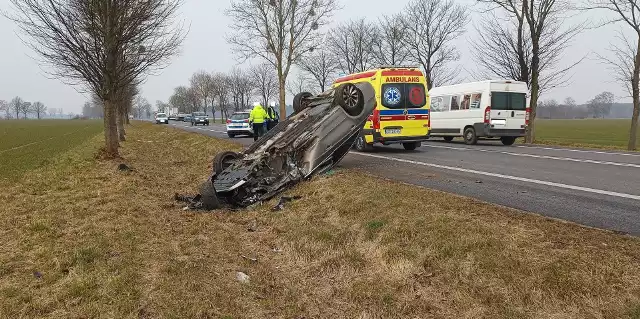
pixel 448 138
pixel 350 98
pixel 410 146
pixel 508 140
pixel 470 137
pixel 224 160
pixel 361 144
pixel 300 101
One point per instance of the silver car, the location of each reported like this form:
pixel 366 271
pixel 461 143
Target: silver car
pixel 312 140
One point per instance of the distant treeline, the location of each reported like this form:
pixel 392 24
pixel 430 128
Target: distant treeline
pixel 563 111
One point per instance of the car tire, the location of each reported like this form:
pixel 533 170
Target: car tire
pixel 209 198
pixel 448 138
pixel 231 135
pixel 299 101
pixel 361 144
pixel 350 98
pixel 508 140
pixel 470 137
pixel 411 146
pixel 222 161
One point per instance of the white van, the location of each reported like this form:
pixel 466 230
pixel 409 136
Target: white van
pixel 486 109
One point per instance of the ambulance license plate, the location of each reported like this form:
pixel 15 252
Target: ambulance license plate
pixel 392 131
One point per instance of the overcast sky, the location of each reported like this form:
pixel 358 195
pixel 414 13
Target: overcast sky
pixel 205 48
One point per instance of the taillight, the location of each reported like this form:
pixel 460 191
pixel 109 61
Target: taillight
pixel 246 121
pixel 487 115
pixel 228 121
pixel 376 119
pixel 526 116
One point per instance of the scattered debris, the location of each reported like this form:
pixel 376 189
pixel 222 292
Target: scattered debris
pixel 478 182
pixel 283 200
pixel 37 274
pixel 277 250
pixel 123 167
pixel 330 172
pixel 253 226
pixel 253 259
pixel 193 202
pixel 242 277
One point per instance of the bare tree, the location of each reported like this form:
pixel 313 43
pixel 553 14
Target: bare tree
pixel 162 106
pixel 390 48
pixel 39 109
pixel 299 84
pixel 16 106
pixel 541 23
pixel 241 88
pixel 279 31
pixel 141 107
pixel 202 83
pixel 26 108
pixel 625 62
pixel 431 26
pixel 179 99
pixel 104 46
pixel 194 100
pixel 221 90
pixel 600 105
pixel 321 65
pixel 4 107
pixel 352 45
pixel 265 80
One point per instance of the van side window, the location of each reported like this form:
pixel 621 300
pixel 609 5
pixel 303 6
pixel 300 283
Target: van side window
pixel 454 103
pixel 466 101
pixel 436 104
pixel 475 100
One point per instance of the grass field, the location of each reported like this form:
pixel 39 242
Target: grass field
pixel 25 145
pixel 598 133
pixel 81 239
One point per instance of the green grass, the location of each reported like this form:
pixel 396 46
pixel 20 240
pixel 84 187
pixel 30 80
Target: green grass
pixel 28 144
pixel 597 133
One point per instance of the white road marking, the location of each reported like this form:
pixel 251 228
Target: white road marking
pixel 536 156
pixel 578 151
pixel 515 178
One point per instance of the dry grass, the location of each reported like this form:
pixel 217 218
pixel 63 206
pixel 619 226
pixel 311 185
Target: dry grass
pixel 113 244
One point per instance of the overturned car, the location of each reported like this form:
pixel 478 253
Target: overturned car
pixel 311 141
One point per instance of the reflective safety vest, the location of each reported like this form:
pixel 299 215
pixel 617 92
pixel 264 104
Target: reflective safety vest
pixel 258 115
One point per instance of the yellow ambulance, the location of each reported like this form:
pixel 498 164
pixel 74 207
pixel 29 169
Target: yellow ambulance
pixel 402 114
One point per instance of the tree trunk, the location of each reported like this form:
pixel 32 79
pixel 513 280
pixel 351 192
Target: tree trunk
pixel 110 130
pixel 120 122
pixel 535 91
pixel 635 89
pixel 283 96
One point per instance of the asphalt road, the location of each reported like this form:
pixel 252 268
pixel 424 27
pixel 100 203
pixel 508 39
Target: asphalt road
pixel 594 188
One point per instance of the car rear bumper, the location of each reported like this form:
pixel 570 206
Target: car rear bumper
pixel 378 138
pixel 239 130
pixel 485 130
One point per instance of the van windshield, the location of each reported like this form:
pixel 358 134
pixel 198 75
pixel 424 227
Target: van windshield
pixel 508 101
pixel 403 95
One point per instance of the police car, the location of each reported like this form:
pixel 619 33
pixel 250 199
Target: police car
pixel 238 124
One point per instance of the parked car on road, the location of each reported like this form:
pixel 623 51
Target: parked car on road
pixel 187 118
pixel 199 118
pixel 181 116
pixel 238 124
pixel 311 141
pixel 161 118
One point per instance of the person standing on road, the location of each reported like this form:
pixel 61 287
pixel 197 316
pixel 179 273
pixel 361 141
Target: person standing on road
pixel 273 116
pixel 257 118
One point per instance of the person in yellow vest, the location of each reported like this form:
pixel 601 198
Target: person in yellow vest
pixel 257 118
pixel 273 116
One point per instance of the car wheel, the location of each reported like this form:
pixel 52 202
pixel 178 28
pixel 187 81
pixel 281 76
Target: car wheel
pixel 470 137
pixel 410 146
pixel 361 145
pixel 209 198
pixel 448 138
pixel 231 135
pixel 508 140
pixel 224 160
pixel 350 98
pixel 300 101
